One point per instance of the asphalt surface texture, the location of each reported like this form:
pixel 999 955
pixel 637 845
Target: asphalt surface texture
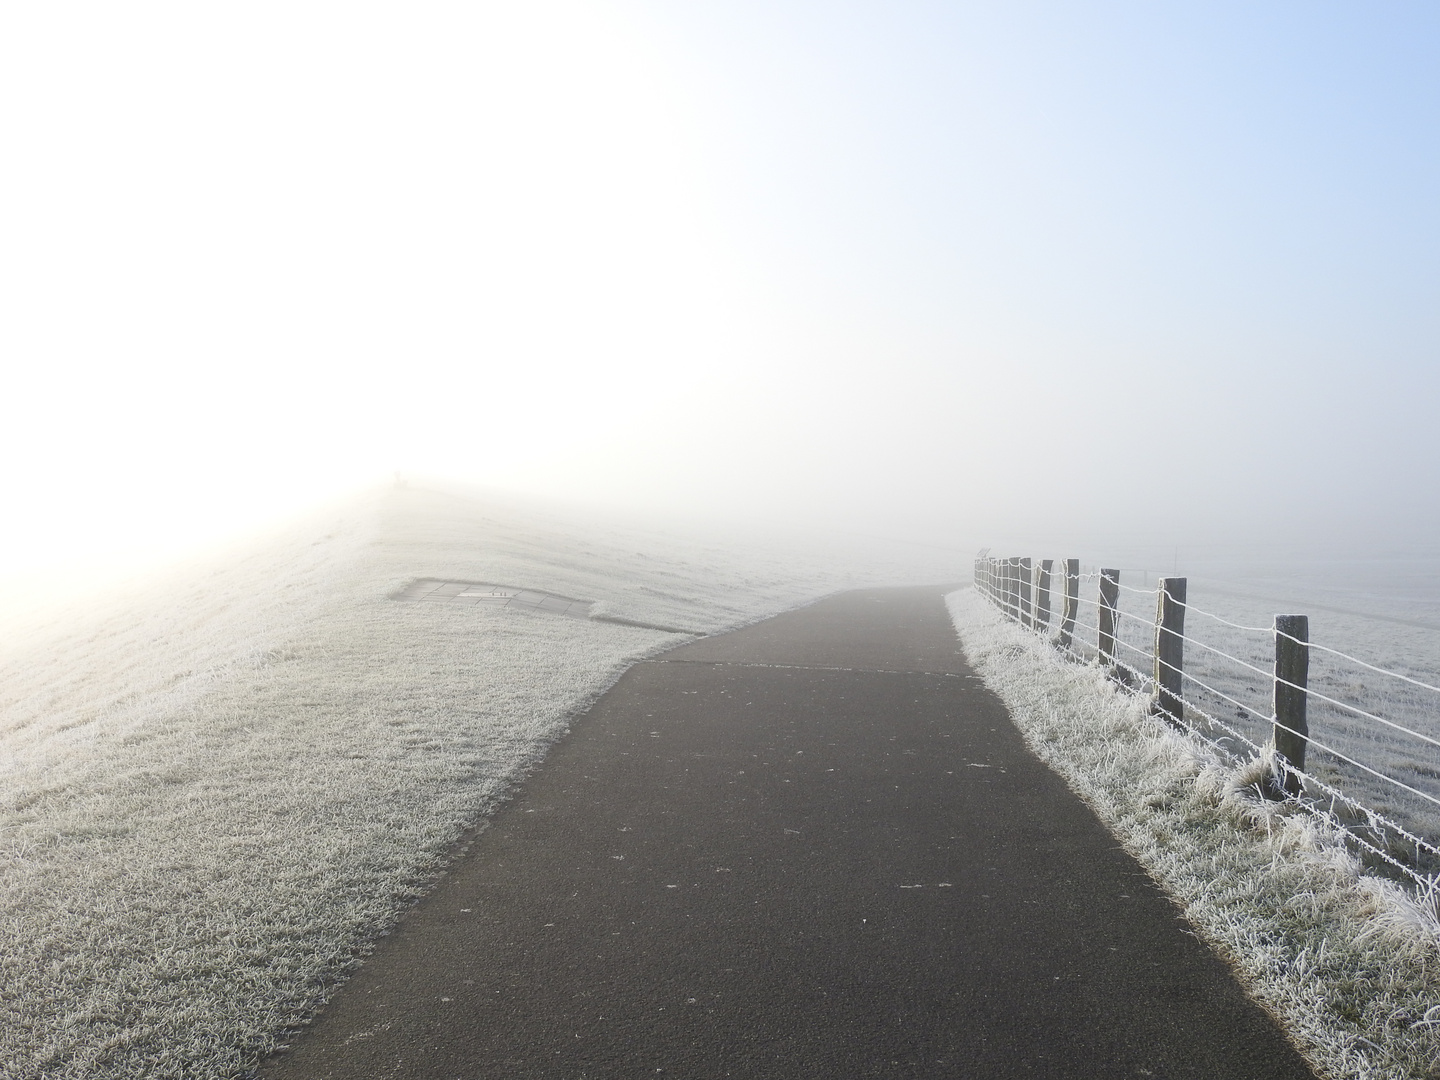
pixel 813 847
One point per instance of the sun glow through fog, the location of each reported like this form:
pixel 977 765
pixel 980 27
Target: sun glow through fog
pixel 927 269
pixel 269 250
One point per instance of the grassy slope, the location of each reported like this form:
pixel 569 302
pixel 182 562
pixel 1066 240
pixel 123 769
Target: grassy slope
pixel 218 792
pixel 1349 964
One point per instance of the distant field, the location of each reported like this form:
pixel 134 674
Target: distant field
pixel 218 790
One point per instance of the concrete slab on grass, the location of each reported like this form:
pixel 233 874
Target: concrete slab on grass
pixel 434 590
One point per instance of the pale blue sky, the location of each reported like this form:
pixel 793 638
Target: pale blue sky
pixel 970 273
pixel 1221 218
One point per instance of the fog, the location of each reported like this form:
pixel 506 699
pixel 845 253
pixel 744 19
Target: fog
pixel 1116 275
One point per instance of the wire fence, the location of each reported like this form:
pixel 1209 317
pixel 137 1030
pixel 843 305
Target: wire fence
pixel 1349 741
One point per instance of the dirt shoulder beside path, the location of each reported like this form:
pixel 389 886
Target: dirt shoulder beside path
pixel 815 847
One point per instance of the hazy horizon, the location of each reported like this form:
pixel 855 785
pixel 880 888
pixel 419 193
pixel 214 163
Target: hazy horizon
pixel 1126 278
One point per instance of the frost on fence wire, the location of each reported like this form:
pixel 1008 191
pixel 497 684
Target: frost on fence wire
pixel 1373 740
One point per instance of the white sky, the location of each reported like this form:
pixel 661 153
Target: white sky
pixel 963 272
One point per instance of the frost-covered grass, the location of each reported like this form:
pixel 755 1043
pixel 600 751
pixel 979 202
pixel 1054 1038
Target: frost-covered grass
pixel 1227 679
pixel 1349 964
pixel 216 791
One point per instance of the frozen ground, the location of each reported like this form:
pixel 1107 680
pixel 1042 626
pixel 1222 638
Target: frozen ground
pixel 218 790
pixel 1349 963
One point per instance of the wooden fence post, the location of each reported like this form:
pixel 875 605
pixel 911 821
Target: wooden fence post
pixel 1072 602
pixel 1292 674
pixel 1170 649
pixel 1026 614
pixel 1042 596
pixel 1109 600
pixel 1012 592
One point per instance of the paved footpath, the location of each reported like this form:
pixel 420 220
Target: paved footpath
pixel 815 847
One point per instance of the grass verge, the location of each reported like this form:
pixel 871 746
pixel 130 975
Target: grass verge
pixel 218 789
pixel 1349 964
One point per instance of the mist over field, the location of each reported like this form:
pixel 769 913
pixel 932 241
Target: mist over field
pixel 1132 277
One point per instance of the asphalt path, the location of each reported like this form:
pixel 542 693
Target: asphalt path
pixel 814 847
